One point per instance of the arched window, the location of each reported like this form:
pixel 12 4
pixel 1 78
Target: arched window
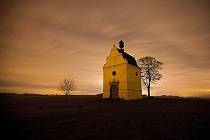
pixel 136 74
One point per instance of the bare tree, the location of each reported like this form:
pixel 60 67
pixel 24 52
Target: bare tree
pixel 66 86
pixel 149 71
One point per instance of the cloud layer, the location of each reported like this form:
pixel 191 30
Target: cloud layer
pixel 44 41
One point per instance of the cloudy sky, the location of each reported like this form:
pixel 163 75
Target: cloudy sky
pixel 44 41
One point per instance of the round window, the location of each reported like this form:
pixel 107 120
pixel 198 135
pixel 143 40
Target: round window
pixel 114 73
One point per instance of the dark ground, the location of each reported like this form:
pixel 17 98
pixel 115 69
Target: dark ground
pixel 88 117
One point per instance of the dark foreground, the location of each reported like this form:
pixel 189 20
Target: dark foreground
pixel 88 117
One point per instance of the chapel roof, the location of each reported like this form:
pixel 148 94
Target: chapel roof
pixel 131 60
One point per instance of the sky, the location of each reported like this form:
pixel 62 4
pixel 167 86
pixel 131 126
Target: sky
pixel 44 41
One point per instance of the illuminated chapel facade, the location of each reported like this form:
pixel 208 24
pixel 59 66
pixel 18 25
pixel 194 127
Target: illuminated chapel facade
pixel 121 75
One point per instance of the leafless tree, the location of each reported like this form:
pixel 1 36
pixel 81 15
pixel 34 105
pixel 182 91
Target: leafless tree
pixel 149 71
pixel 67 86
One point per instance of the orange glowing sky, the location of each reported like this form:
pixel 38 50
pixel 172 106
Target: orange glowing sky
pixel 44 41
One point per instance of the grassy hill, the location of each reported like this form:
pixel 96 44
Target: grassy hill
pixel 89 117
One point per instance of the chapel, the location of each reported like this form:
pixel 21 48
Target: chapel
pixel 121 75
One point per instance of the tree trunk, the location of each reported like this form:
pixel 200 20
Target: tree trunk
pixel 148 88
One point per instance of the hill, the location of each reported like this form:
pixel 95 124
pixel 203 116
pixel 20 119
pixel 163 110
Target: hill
pixel 89 117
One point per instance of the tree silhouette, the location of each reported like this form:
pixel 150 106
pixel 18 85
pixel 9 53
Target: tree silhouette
pixel 149 71
pixel 66 86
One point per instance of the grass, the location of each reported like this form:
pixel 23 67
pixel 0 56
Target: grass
pixel 89 117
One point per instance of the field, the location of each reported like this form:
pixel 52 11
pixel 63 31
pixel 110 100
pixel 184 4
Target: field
pixel 89 117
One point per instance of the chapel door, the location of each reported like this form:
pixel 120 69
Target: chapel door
pixel 114 91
